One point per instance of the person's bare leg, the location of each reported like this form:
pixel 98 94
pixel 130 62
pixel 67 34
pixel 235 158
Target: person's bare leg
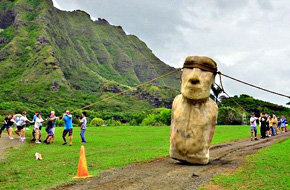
pixel 10 133
pixel 70 139
pixel 251 135
pixel 22 133
pixel 17 132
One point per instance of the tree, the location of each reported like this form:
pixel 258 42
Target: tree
pixel 217 91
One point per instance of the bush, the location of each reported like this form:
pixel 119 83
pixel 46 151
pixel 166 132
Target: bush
pixel 159 117
pixel 1 120
pixel 149 120
pixel 112 122
pixel 59 123
pixel 97 122
pixel 229 116
pixel 165 116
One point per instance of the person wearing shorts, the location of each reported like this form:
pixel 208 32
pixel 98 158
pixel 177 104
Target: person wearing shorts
pixel 68 128
pixel 20 125
pixel 53 120
pixel 8 122
pixel 253 126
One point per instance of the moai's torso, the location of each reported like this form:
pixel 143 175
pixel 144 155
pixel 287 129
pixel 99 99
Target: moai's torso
pixel 192 128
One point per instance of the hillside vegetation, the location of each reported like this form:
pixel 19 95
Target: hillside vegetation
pixel 52 59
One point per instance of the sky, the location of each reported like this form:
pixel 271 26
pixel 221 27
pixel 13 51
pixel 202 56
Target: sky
pixel 249 39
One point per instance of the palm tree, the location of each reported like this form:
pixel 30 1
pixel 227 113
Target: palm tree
pixel 217 91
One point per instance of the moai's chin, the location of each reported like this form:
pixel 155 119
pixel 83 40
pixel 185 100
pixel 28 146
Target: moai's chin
pixel 198 97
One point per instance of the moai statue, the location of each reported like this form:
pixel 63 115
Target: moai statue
pixel 194 114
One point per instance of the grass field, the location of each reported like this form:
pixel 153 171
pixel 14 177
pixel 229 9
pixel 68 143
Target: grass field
pixel 267 169
pixel 107 147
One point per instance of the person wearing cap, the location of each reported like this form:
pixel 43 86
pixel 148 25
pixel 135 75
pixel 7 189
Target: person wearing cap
pixel 68 127
pixel 194 114
pixel 253 124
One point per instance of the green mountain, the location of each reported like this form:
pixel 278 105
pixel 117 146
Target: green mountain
pixel 53 59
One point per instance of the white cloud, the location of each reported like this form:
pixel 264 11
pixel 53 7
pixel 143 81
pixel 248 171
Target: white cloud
pixel 248 38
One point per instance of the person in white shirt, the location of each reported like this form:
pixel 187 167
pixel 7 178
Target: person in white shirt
pixel 21 121
pixel 83 123
pixel 253 124
pixel 37 124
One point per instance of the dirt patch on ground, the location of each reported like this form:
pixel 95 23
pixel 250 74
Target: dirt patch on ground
pixel 166 173
pixel 6 143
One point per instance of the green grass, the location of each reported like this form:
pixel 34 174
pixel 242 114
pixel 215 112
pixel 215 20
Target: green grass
pixel 267 169
pixel 107 147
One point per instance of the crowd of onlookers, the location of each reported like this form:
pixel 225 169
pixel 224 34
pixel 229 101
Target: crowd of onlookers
pixel 21 122
pixel 270 125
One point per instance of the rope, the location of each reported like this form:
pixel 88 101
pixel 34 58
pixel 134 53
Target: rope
pixel 231 98
pixel 178 70
pixel 122 92
pixel 246 83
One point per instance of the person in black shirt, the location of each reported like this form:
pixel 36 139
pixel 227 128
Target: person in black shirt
pixel 263 121
pixel 7 124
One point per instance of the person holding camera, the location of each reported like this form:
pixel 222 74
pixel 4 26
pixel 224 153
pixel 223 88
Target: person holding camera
pixel 68 127
pixel 83 124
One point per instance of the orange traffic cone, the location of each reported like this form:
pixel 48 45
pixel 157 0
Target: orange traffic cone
pixel 82 167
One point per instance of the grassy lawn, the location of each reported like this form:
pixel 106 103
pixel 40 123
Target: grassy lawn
pixel 267 169
pixel 107 147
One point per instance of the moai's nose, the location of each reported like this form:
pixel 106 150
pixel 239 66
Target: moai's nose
pixel 194 77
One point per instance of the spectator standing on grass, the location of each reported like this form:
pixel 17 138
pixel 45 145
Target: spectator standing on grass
pixel 68 128
pixel 286 125
pixel 283 124
pixel 263 125
pixel 275 124
pixel 279 124
pixel 268 126
pixel 37 128
pixel 83 123
pixel 253 124
pixel 272 130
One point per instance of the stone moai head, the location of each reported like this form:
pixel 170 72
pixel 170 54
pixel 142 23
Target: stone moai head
pixel 198 77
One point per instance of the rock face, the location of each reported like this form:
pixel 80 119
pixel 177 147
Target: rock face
pixel 194 115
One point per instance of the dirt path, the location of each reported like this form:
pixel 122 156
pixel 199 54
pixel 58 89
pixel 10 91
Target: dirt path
pixel 166 173
pixel 6 143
